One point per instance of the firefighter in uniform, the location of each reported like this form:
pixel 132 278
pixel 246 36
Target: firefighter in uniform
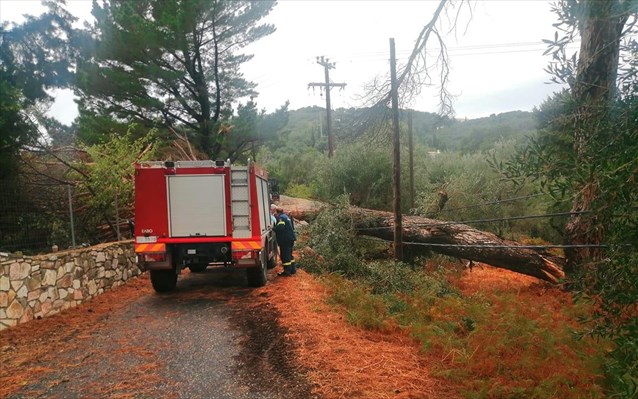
pixel 286 240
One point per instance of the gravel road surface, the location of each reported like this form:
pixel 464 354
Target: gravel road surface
pixel 212 338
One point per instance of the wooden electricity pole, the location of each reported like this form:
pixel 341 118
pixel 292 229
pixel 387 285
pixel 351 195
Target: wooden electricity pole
pixel 411 159
pixel 327 65
pixel 396 163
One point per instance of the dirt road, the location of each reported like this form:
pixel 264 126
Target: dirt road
pixel 212 338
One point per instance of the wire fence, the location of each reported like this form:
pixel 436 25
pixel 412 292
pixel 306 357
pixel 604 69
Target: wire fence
pixel 41 217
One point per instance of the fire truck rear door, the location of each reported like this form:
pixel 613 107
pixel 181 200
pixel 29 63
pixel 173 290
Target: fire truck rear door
pixel 197 205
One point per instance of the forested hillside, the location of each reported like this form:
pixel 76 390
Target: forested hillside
pixel 430 130
pixel 453 167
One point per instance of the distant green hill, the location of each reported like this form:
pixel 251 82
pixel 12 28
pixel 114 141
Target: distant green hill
pixel 308 126
pixel 477 134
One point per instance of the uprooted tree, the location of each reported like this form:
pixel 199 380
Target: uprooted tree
pixel 459 240
pixel 422 235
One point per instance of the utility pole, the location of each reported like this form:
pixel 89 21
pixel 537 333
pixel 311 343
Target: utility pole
pixel 396 159
pixel 411 159
pixel 327 65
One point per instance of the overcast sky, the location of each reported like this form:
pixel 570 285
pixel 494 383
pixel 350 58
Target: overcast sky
pixel 495 51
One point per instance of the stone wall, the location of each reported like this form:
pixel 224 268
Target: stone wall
pixel 39 286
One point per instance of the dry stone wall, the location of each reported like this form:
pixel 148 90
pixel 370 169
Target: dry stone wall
pixel 40 286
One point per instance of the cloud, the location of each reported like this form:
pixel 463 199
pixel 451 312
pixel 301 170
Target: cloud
pixel 521 97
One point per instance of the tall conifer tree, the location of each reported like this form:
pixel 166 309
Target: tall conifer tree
pixel 171 62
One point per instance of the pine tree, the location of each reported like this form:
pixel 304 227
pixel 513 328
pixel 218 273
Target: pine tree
pixel 171 62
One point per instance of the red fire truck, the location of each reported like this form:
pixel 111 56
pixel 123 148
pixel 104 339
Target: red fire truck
pixel 198 214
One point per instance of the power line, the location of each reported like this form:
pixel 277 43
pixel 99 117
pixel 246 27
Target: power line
pixel 497 48
pixel 266 81
pixel 476 221
pixel 549 246
pixel 508 246
pixel 461 48
pixel 512 199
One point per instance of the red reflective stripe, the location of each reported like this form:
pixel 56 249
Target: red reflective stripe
pixel 245 245
pixel 155 247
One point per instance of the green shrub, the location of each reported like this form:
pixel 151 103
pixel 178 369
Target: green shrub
pixel 361 172
pixel 362 309
pixel 299 191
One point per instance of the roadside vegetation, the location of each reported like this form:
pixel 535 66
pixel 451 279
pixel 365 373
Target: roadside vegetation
pixel 497 343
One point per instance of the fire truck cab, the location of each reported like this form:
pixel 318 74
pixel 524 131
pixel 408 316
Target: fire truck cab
pixel 196 214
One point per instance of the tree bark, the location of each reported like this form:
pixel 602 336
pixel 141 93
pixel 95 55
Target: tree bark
pixel 601 31
pixel 446 238
pixel 421 235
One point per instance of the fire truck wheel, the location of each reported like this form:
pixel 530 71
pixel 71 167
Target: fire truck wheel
pixel 257 276
pixel 272 262
pixel 198 268
pixel 163 280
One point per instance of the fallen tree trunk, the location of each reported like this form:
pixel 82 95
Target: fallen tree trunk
pixel 422 235
pixel 461 241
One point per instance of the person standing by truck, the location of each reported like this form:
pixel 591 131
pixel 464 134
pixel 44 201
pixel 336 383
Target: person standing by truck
pixel 273 218
pixel 286 240
pixel 273 223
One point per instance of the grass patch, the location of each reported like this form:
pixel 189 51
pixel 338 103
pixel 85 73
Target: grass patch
pixel 508 341
pixel 362 308
pixel 490 345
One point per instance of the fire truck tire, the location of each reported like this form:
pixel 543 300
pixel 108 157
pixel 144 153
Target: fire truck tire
pixel 198 268
pixel 272 262
pixel 258 276
pixel 163 280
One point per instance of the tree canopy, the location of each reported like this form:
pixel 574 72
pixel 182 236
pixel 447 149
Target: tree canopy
pixel 171 63
pixel 587 153
pixel 34 58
